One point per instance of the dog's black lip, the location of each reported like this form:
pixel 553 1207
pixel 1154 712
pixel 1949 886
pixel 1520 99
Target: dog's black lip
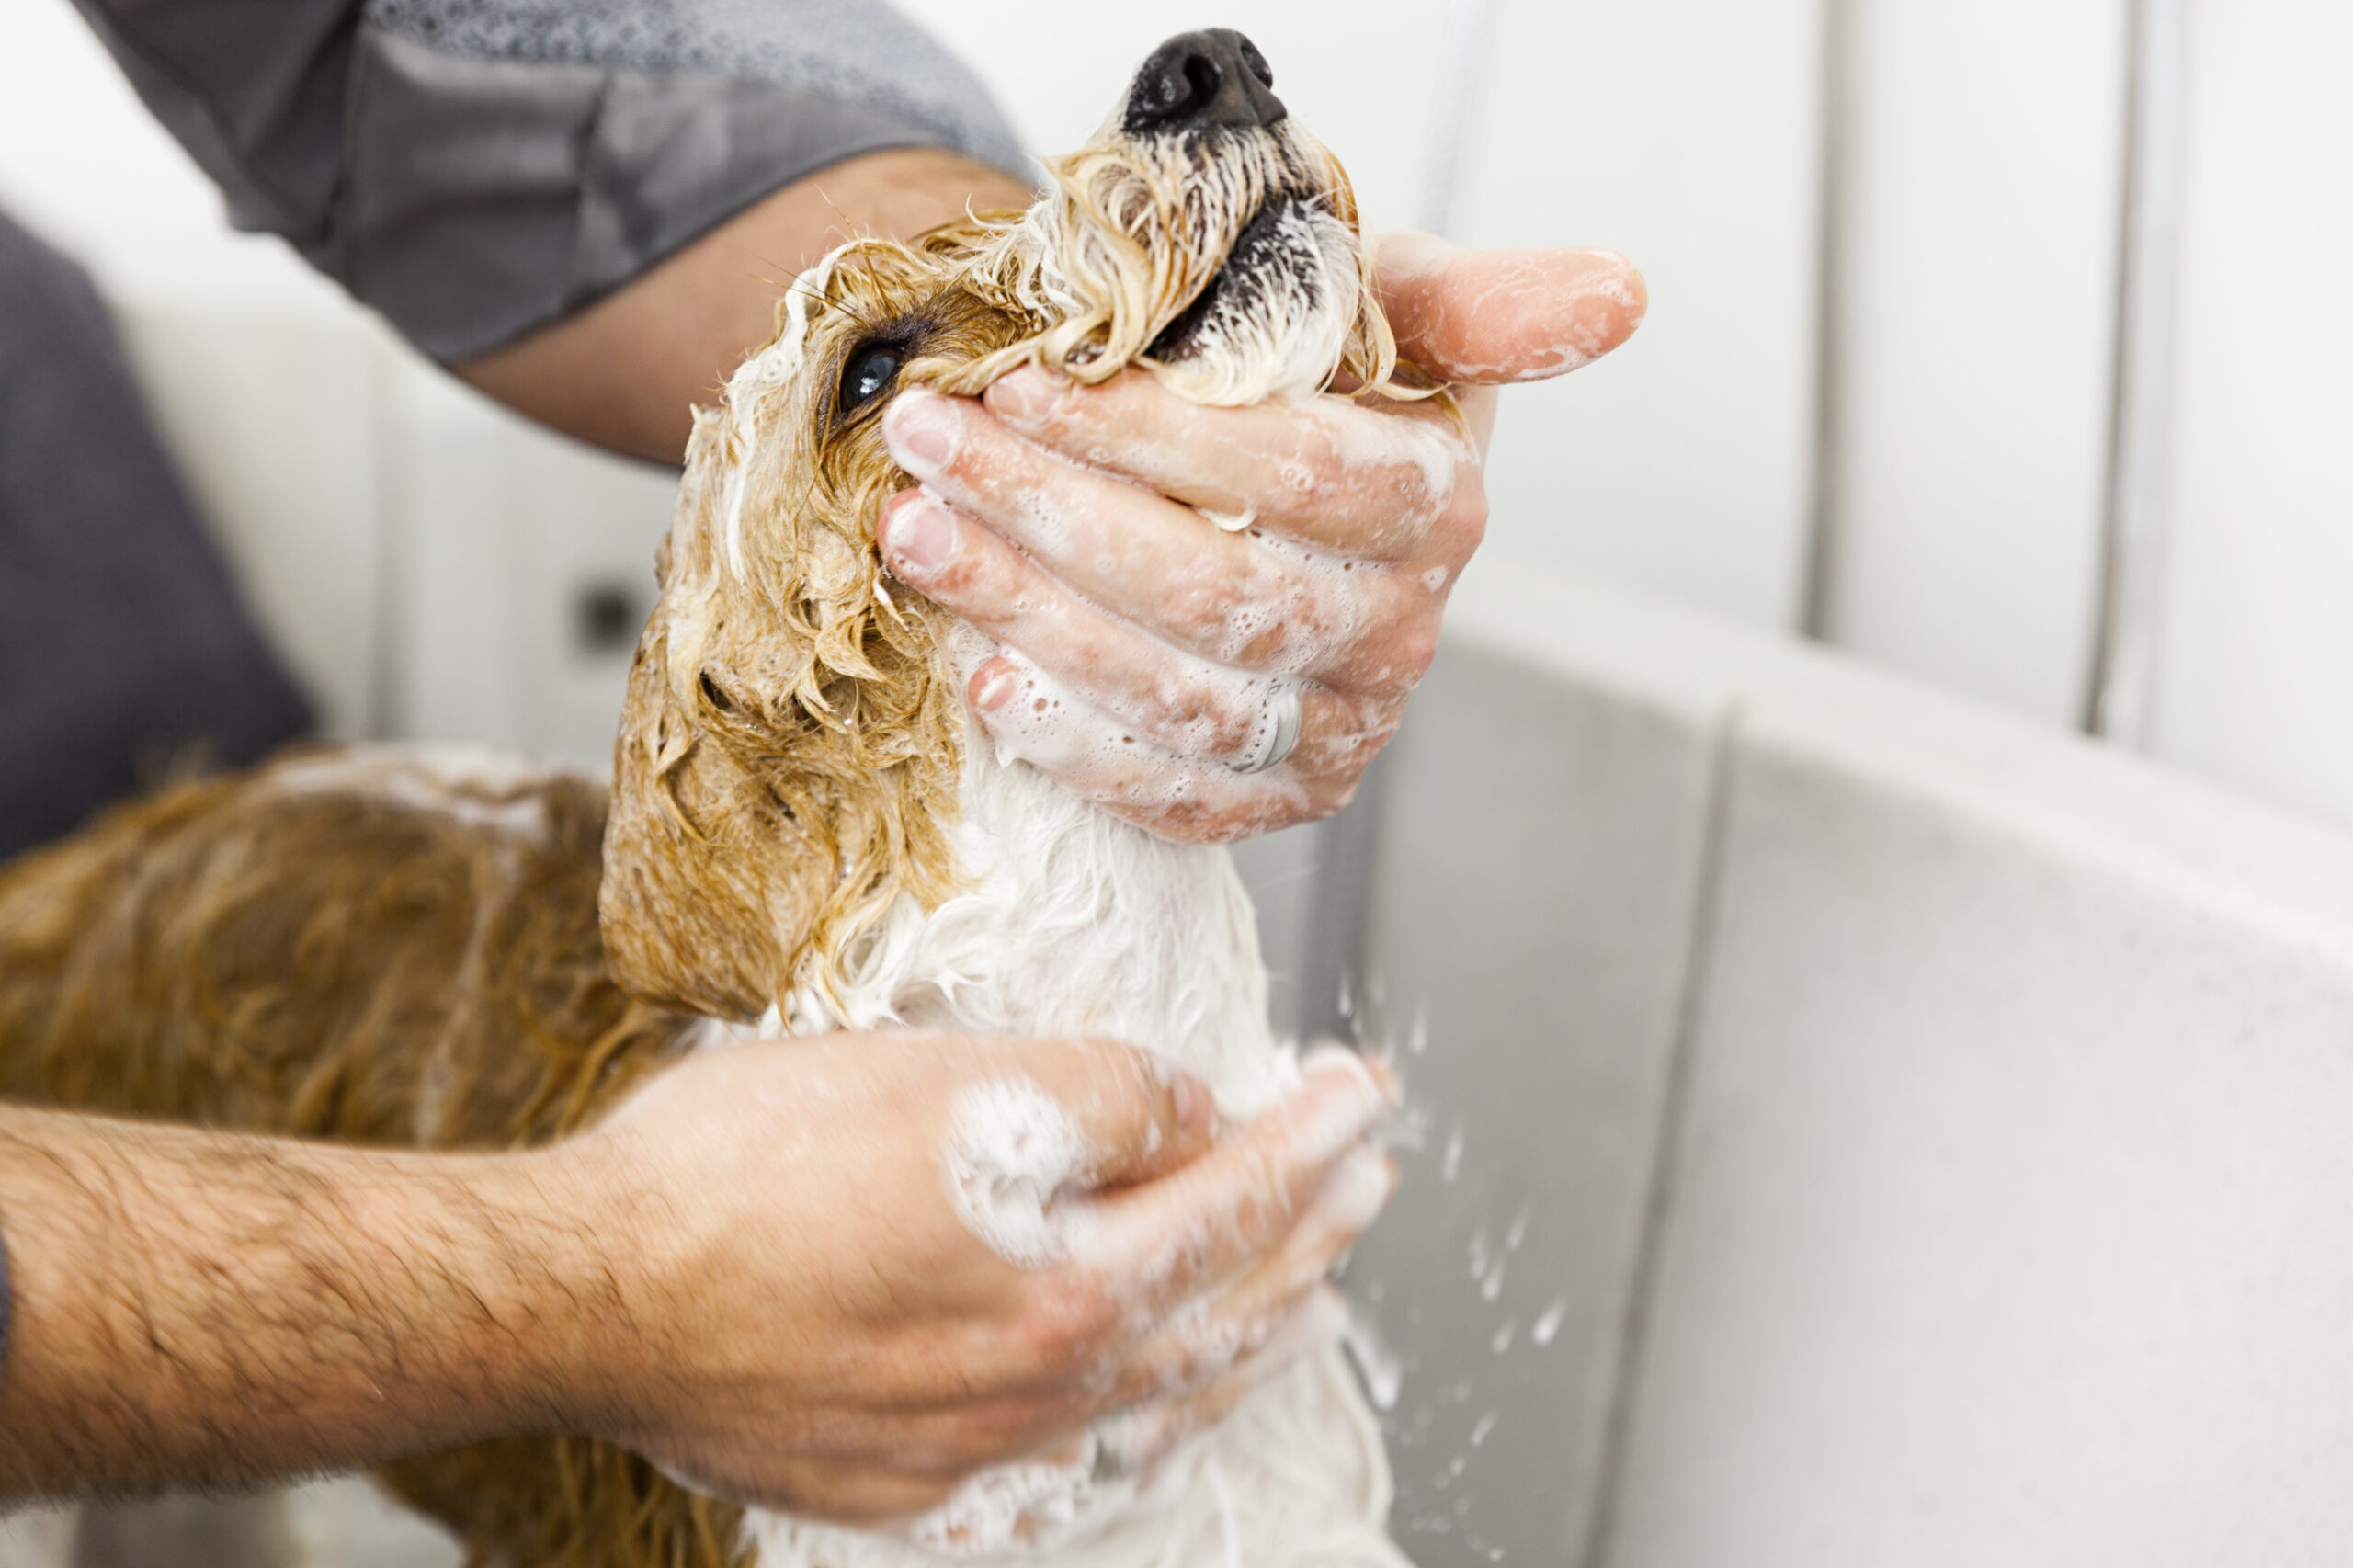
pixel 1171 339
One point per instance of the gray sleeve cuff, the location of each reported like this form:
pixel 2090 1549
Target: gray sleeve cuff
pixel 475 169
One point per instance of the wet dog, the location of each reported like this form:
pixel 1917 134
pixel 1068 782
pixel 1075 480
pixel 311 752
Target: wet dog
pixel 805 832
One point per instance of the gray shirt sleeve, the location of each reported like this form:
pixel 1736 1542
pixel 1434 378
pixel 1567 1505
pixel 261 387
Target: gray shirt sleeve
pixel 475 169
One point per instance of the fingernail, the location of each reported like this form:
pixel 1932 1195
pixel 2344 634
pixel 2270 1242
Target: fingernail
pixel 1340 1060
pixel 1332 1056
pixel 1346 1114
pixel 920 537
pixel 921 429
pixel 1356 1190
pixel 1025 395
pixel 994 693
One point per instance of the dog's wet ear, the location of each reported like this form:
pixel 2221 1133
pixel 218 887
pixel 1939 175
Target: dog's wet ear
pixel 789 753
pixel 695 896
pixel 710 887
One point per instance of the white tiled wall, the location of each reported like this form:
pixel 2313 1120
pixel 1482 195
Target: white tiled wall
pixel 524 572
pixel 2256 677
pixel 1976 264
pixel 1687 135
pixel 274 416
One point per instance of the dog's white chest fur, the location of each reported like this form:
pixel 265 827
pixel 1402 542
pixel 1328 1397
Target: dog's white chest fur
pixel 1079 923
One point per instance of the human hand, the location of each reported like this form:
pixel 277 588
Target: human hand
pixel 800 1318
pixel 1144 648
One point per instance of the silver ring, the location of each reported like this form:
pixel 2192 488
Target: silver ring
pixel 1105 1464
pixel 1113 1440
pixel 1277 727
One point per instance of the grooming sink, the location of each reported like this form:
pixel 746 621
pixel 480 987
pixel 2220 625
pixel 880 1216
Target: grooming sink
pixel 1855 1128
pixel 1852 1128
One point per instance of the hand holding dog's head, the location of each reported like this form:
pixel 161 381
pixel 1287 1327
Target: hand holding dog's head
pixel 788 763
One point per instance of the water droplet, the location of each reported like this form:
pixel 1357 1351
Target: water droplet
pixel 1449 1165
pixel 1502 1342
pixel 1382 1372
pixel 1545 1327
pixel 1518 1232
pixel 1486 1426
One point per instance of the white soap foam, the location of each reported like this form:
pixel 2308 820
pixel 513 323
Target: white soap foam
pixel 1009 1507
pixel 1012 1152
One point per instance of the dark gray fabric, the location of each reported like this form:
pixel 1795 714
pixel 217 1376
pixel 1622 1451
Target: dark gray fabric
pixel 488 197
pixel 123 648
pixel 253 88
pixel 475 169
pixel 858 51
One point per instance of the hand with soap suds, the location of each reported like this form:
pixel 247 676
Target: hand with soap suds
pixel 848 1274
pixel 1157 572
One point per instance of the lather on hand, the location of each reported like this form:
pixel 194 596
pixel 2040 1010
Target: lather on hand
pixel 1140 642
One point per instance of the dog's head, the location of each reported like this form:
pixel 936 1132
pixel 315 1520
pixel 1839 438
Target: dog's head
pixel 788 759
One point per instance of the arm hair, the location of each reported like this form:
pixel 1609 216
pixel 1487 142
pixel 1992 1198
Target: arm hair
pixel 207 1309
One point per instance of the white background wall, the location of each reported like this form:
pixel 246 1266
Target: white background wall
pixel 1974 259
pixel 419 554
pixel 2255 680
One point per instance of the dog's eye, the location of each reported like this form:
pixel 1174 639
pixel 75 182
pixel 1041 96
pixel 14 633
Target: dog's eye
pixel 870 371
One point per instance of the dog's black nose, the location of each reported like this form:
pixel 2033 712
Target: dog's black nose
pixel 1197 80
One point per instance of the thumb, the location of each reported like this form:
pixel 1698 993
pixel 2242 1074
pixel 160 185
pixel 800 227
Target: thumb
pixel 1140 1117
pixel 1495 317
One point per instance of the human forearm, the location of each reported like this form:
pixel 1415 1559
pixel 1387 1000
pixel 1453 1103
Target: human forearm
pixel 625 372
pixel 201 1308
pixel 752 1273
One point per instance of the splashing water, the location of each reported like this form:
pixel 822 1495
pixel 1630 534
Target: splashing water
pixel 1548 1325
